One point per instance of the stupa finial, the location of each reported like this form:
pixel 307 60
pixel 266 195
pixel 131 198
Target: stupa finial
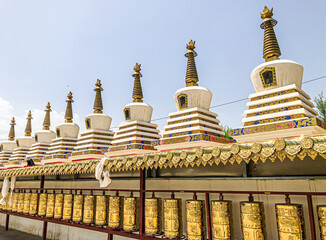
pixel 98 104
pixel 28 129
pixel 46 122
pixel 11 135
pixel 137 93
pixel 69 115
pixel 271 48
pixel 191 74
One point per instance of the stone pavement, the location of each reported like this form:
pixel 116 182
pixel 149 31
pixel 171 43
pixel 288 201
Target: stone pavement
pixel 16 235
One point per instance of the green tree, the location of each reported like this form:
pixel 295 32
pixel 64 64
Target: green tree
pixel 320 102
pixel 226 131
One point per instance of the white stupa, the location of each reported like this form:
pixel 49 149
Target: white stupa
pixel 23 145
pixel 193 122
pixel 43 139
pixel 7 147
pixel 137 133
pixel 66 138
pixel 279 108
pixel 97 138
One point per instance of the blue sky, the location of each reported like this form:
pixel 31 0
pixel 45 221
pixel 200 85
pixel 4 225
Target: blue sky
pixel 51 47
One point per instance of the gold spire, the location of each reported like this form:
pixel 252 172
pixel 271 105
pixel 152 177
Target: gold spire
pixel 137 93
pixel 271 48
pixel 191 74
pixel 28 129
pixel 11 135
pixel 46 122
pixel 68 115
pixel 98 105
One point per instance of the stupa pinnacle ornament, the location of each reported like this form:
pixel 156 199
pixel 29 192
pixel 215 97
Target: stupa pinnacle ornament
pixel 11 135
pixel 28 129
pixel 137 93
pixel 69 115
pixel 46 122
pixel 271 48
pixel 191 74
pixel 98 105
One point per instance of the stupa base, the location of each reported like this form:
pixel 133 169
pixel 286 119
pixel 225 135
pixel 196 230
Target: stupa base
pixel 54 160
pixel 129 150
pixel 85 155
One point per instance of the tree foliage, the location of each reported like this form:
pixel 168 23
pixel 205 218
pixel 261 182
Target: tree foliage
pixel 320 102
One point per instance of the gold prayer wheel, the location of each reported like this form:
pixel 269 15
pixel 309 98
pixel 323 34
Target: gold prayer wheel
pixel 77 214
pixel 67 207
pixel 88 217
pixel 33 204
pixel 27 200
pixel 20 207
pixel 15 202
pixel 8 204
pixel 58 206
pixel 42 204
pixel 252 220
pixel 101 210
pixel 1 206
pixel 194 220
pixel 172 218
pixel 130 214
pixel 290 221
pixel 115 212
pixel 321 210
pixel 50 206
pixel 153 215
pixel 221 220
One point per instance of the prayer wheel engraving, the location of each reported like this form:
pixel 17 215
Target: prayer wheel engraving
pixel 101 210
pixel 290 221
pixel 67 207
pixel 27 200
pixel 77 213
pixel 172 218
pixel 194 220
pixel 8 204
pixel 221 220
pixel 153 215
pixel 252 220
pixel 321 210
pixel 50 206
pixel 15 202
pixel 20 208
pixel 58 206
pixel 115 212
pixel 89 209
pixel 33 204
pixel 130 214
pixel 42 204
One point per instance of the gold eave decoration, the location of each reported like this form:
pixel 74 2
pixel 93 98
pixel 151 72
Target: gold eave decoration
pixel 236 153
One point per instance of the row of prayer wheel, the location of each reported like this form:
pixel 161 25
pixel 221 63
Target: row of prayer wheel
pixel 118 212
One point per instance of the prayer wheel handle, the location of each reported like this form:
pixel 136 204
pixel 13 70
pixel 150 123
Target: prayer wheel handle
pixel 221 197
pixel 287 199
pixel 251 198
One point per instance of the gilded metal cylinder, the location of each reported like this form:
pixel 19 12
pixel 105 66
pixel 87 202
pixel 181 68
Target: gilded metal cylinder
pixel 252 220
pixel 114 213
pixel 194 220
pixel 42 204
pixel 15 202
pixel 172 218
pixel 101 210
pixel 33 204
pixel 50 206
pixel 221 220
pixel 290 221
pixel 8 204
pixel 27 200
pixel 20 207
pixel 77 213
pixel 321 210
pixel 67 207
pixel 88 216
pixel 130 214
pixel 58 206
pixel 1 206
pixel 153 215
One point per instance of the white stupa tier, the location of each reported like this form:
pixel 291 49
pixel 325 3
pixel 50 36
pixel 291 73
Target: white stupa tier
pixel 23 147
pixel 43 139
pixel 97 137
pixel 137 133
pixel 7 147
pixel 279 108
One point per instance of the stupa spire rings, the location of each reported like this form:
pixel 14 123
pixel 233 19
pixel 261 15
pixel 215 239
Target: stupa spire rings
pixel 28 129
pixel 137 93
pixel 98 104
pixel 271 48
pixel 47 122
pixel 11 135
pixel 69 115
pixel 191 74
